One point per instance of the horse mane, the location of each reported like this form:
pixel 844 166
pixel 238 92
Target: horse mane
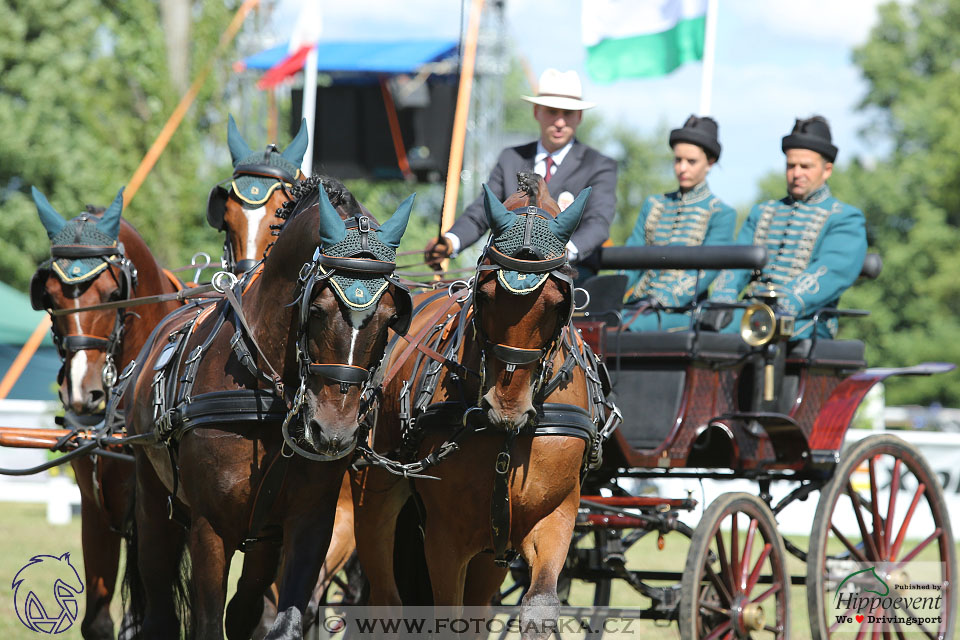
pixel 305 194
pixel 531 189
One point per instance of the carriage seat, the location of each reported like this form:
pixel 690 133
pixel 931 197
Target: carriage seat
pixel 673 344
pixel 829 353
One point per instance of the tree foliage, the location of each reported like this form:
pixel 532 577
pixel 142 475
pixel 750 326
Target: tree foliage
pixel 84 93
pixel 911 198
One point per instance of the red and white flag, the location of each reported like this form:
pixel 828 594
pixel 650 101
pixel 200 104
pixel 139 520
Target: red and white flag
pixel 306 33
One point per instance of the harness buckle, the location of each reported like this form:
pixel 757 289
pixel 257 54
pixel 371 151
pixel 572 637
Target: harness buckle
pixel 363 224
pixel 531 210
pixel 503 463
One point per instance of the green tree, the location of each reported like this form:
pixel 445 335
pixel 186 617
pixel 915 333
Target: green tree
pixel 84 92
pixel 911 197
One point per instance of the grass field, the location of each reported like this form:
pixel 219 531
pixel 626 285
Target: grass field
pixel 25 533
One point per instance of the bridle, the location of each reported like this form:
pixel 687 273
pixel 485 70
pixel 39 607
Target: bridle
pixel 320 271
pixel 111 255
pixel 541 265
pixel 219 196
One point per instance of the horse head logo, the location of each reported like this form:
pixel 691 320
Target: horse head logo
pixel 868 581
pixel 40 610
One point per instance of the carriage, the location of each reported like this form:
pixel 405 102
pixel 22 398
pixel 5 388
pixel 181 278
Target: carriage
pixel 758 409
pixel 754 406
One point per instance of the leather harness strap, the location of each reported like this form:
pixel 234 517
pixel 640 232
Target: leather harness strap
pixel 416 343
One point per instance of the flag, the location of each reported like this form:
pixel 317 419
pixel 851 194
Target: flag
pixel 306 33
pixel 641 38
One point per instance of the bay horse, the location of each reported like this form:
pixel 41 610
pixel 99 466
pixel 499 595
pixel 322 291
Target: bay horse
pixel 505 351
pixel 249 412
pixel 249 210
pixel 97 257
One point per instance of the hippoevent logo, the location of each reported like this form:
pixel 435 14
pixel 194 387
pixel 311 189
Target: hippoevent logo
pixel 889 598
pixel 45 594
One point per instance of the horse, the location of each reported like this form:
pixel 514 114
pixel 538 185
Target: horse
pixel 503 348
pixel 249 411
pixel 249 212
pixel 97 257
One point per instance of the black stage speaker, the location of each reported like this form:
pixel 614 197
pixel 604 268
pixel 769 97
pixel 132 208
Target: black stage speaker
pixel 352 133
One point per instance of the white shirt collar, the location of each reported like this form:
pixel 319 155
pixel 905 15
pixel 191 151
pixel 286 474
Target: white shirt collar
pixel 557 155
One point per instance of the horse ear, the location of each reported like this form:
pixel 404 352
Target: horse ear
pixel 498 217
pixel 567 220
pixel 110 222
pixel 239 149
pixel 52 221
pixel 295 150
pixel 332 229
pixel 391 231
pixel 65 556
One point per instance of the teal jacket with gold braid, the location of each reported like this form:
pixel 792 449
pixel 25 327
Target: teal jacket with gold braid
pixel 689 219
pixel 815 251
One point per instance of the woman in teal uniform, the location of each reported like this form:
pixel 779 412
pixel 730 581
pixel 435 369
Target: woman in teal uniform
pixel 690 216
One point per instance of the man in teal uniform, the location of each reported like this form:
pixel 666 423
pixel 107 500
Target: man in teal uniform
pixel 815 243
pixel 689 216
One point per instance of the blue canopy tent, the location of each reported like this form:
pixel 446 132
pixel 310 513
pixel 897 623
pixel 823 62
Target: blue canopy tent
pixel 366 127
pixel 364 58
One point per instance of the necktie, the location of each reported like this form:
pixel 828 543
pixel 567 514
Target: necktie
pixel 548 173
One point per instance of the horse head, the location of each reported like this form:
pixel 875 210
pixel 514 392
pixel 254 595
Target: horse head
pixel 260 185
pixel 346 299
pixel 87 266
pixel 523 296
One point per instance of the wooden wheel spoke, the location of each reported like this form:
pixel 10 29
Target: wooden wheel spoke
pixel 922 626
pixel 724 564
pixel 923 545
pixel 734 552
pixel 766 594
pixel 846 613
pixel 718 584
pixel 755 574
pixel 865 535
pixel 875 508
pixel 849 545
pixel 715 609
pixel 891 506
pixel 745 558
pixel 723 628
pixel 900 634
pixel 773 629
pixel 906 521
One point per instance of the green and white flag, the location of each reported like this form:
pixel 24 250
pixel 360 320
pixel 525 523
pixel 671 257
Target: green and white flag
pixel 641 38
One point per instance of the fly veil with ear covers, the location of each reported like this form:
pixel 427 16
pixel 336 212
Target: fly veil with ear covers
pixel 527 246
pixel 358 261
pixel 256 175
pixel 80 251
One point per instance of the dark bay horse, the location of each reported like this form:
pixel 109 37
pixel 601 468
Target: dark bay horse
pixel 518 369
pixel 97 257
pixel 247 205
pixel 254 403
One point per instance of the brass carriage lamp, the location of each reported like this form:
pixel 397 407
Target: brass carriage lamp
pixel 763 323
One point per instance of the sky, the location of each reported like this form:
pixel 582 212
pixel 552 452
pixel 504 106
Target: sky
pixel 776 60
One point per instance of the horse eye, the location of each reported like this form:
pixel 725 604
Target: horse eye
pixel 114 296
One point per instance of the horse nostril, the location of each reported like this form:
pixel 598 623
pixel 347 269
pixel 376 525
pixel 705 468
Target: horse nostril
pixel 95 398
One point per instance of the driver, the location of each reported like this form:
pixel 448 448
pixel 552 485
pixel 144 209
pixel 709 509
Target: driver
pixel 815 243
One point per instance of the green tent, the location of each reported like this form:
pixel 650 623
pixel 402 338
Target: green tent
pixel 17 322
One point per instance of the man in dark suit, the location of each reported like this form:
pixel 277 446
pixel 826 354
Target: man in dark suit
pixel 567 165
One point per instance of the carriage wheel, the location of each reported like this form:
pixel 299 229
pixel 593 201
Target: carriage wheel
pixel 735 582
pixel 861 523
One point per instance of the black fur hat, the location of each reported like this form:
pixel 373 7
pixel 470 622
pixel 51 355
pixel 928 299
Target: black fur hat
pixel 814 134
pixel 701 132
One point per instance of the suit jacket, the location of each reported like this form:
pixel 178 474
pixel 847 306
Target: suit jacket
pixel 582 167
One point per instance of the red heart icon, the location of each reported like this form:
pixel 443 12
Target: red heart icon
pixel 859 618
